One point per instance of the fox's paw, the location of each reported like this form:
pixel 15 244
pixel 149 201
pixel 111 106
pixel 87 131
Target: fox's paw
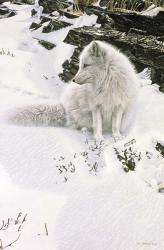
pixel 98 137
pixel 118 137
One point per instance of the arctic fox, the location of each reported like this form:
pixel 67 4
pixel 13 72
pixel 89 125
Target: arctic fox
pixel 99 94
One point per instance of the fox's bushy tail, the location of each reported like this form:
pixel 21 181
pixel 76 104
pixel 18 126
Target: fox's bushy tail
pixel 38 115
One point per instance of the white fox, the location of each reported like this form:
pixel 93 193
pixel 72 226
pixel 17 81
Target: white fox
pixel 98 97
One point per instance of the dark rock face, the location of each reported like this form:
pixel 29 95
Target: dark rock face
pixel 151 26
pixel 33 12
pixel 68 14
pixel 47 45
pixel 35 26
pixel 23 1
pixel 70 68
pixel 53 5
pixel 104 3
pixel 6 12
pixel 160 148
pixel 3 1
pixel 55 24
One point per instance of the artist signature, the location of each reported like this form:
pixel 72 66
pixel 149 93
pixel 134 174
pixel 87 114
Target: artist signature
pixel 147 243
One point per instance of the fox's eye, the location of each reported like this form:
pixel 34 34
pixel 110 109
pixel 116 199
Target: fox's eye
pixel 85 65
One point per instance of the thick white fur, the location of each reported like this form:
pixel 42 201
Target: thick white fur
pixel 103 88
pixel 38 115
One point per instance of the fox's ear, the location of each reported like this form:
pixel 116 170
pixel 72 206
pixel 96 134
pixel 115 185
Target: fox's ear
pixel 97 50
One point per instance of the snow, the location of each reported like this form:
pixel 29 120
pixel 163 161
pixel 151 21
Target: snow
pixel 152 11
pixel 61 178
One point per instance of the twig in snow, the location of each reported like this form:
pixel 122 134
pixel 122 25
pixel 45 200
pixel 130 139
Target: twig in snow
pixel 18 217
pixel 46 229
pixel 24 219
pixel 5 225
pixel 10 244
pixel 45 77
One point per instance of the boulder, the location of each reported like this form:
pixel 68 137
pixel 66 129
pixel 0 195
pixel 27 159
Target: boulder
pixel 55 24
pixel 6 12
pixel 23 2
pixel 46 44
pixel 50 5
pixel 3 1
pixel 43 19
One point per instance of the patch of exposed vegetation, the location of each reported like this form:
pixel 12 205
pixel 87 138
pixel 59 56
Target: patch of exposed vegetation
pixel 6 52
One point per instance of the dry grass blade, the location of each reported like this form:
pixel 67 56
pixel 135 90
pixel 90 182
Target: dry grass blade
pixel 132 5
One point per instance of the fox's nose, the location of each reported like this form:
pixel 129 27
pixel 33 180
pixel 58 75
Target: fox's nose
pixel 73 80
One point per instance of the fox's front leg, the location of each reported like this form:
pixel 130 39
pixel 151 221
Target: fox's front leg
pixel 97 123
pixel 116 122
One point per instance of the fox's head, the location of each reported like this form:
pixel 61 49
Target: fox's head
pixel 92 64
